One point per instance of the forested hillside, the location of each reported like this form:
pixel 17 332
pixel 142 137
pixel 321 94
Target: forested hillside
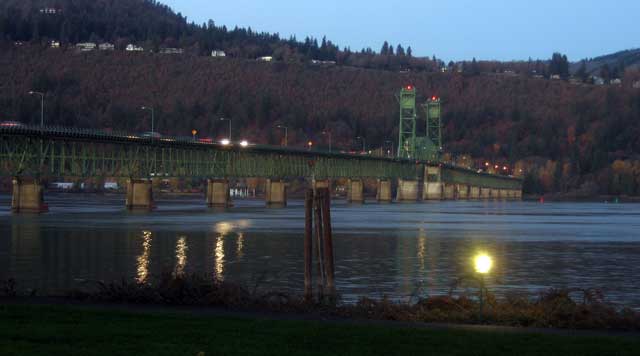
pixel 577 138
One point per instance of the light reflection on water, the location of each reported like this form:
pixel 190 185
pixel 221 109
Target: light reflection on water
pixel 380 249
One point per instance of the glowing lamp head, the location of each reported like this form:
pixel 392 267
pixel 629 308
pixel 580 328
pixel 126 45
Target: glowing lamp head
pixel 434 98
pixel 225 142
pixel 309 143
pixel 409 87
pixel 244 143
pixel 194 132
pixel 483 264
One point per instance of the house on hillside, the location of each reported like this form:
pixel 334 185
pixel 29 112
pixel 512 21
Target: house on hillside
pixel 265 59
pixel 597 80
pixel 49 11
pixel 616 81
pixel 106 47
pixel 86 46
pixel 218 53
pixel 167 50
pixel 133 48
pixel 555 77
pixel 636 85
pixel 54 44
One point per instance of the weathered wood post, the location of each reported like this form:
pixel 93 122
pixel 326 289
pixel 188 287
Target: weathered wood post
pixel 308 245
pixel 319 244
pixel 325 199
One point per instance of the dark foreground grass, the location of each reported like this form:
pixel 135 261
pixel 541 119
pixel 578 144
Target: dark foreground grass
pixel 49 330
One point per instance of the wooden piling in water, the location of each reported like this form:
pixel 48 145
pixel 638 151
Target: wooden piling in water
pixel 308 245
pixel 319 244
pixel 325 199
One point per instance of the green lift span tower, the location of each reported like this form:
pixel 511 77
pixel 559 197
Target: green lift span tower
pixel 410 145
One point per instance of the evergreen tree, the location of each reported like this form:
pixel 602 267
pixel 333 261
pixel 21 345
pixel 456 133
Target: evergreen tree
pixel 399 50
pixel 385 48
pixel 409 51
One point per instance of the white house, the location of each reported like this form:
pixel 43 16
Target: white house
pixel 616 81
pixel 166 50
pixel 265 58
pixel 86 46
pixel 106 47
pixel 133 48
pixel 218 53
pixel 54 44
pixel 636 85
pixel 49 11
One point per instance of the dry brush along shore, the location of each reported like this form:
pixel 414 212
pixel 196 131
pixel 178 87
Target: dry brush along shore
pixel 554 308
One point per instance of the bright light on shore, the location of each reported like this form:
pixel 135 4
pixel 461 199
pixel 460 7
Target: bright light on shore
pixel 244 143
pixel 483 263
pixel 225 142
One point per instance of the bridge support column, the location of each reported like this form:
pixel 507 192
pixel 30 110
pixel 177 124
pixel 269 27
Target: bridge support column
pixel 449 191
pixel 139 194
pixel 28 196
pixel 432 191
pixel 485 193
pixel 518 194
pixel 462 191
pixel 218 193
pixel 383 192
pixel 407 190
pixel 321 183
pixel 474 193
pixel 276 193
pixel 355 193
pixel 433 186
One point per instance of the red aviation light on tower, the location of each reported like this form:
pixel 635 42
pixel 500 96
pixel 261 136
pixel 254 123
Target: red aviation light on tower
pixel 434 98
pixel 409 87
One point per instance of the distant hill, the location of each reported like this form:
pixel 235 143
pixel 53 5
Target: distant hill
pixel 618 62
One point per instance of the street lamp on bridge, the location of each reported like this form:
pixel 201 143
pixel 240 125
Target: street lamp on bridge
pixel 328 133
pixel 364 143
pixel 227 119
pixel 286 134
pixel 153 117
pixel 42 95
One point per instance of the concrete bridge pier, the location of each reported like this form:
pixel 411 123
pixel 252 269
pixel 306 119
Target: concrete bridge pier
pixel 355 191
pixel 407 190
pixel 28 196
pixel 383 191
pixel 449 192
pixel 518 194
pixel 462 191
pixel 276 193
pixel 432 191
pixel 485 193
pixel 474 193
pixel 139 194
pixel 433 186
pixel 218 193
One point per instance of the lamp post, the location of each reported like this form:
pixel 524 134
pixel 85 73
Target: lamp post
pixel 286 134
pixel 390 153
pixel 483 264
pixel 41 106
pixel 328 133
pixel 153 117
pixel 227 119
pixel 364 143
pixel 194 132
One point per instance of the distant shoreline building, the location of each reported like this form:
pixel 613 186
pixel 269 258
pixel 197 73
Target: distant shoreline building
pixel 86 46
pixel 106 47
pixel 265 59
pixel 133 48
pixel 171 51
pixel 218 53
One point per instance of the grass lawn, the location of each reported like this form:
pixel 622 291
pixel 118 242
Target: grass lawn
pixel 58 330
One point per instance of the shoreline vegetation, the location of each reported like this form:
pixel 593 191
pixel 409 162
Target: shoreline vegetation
pixel 554 308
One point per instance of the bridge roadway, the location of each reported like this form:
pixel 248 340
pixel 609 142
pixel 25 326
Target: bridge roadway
pixel 30 154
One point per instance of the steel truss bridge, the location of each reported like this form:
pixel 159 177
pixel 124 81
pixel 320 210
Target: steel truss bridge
pixel 66 152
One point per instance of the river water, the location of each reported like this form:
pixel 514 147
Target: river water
pixel 380 249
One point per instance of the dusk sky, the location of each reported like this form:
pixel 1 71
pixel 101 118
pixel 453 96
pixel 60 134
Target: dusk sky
pixel 452 30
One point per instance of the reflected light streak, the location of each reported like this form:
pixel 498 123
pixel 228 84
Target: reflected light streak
pixel 181 255
pixel 143 259
pixel 219 257
pixel 240 245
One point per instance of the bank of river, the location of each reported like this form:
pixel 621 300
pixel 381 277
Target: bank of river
pixel 390 250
